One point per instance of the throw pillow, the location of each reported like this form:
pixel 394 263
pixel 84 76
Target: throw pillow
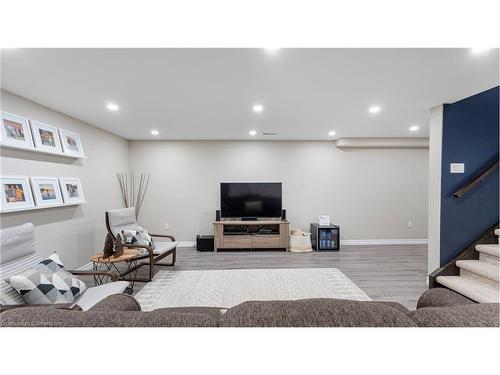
pixel 47 282
pixel 139 237
pixel 51 264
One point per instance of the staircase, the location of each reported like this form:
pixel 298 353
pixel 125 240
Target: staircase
pixel 479 280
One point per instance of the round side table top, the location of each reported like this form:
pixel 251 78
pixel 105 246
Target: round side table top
pixel 127 255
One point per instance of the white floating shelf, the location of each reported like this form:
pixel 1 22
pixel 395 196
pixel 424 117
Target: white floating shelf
pixel 40 207
pixel 38 151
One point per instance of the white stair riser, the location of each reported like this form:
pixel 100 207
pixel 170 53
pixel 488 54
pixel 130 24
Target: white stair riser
pixel 491 259
pixel 492 284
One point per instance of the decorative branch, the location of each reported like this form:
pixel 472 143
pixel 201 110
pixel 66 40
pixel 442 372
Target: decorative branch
pixel 131 196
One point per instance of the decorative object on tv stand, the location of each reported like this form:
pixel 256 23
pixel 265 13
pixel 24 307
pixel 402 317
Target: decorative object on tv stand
pixel 133 197
pixel 15 131
pixel 15 193
pixel 71 144
pixel 45 137
pixel 46 191
pixel 72 191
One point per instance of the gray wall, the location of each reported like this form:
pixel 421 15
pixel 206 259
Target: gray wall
pixel 371 194
pixel 75 232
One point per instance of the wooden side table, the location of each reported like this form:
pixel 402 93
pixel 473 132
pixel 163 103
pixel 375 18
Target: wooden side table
pixel 129 257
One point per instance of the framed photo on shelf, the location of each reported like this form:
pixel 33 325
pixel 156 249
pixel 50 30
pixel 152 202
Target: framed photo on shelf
pixel 15 131
pixel 72 190
pixel 45 137
pixel 71 143
pixel 46 191
pixel 15 193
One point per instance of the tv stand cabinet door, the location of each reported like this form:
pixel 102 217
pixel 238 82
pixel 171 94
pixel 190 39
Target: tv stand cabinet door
pixel 266 241
pixel 237 242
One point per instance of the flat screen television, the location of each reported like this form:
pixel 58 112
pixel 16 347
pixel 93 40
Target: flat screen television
pixel 250 199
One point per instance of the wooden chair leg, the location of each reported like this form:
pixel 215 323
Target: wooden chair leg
pixel 151 267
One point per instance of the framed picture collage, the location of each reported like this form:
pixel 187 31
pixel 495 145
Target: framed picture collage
pixel 20 132
pixel 18 193
pixel 23 193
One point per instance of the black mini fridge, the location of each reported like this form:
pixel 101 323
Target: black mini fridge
pixel 325 237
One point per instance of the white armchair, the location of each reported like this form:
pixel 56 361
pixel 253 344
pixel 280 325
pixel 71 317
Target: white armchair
pixel 121 219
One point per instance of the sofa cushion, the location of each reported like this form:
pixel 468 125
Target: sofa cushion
pixel 47 282
pixel 98 293
pixel 117 302
pixel 470 315
pixel 442 297
pixel 215 312
pixel 50 317
pixel 315 313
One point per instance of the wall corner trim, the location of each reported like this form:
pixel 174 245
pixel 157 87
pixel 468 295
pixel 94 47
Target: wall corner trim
pixel 434 210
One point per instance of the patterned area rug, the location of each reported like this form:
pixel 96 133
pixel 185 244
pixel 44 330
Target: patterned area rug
pixel 227 288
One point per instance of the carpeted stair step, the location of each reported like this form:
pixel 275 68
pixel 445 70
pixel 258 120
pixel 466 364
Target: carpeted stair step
pixel 476 270
pixel 469 288
pixel 493 250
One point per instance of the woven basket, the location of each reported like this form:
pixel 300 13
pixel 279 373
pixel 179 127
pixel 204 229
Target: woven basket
pixel 300 242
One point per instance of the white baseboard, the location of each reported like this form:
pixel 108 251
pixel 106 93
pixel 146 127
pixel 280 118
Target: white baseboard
pixel 186 244
pixel 392 241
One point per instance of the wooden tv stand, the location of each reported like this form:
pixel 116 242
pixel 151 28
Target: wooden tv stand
pixel 259 234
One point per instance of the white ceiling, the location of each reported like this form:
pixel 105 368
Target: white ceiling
pixel 209 93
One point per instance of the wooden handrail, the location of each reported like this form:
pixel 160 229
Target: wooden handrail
pixel 472 183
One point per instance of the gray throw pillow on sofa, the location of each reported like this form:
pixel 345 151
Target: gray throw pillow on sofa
pixel 47 282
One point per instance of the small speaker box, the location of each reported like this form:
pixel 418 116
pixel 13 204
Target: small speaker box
pixel 283 214
pixel 217 215
pixel 204 243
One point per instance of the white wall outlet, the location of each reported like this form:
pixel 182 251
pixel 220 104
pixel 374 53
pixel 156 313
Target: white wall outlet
pixel 457 168
pixel 410 224
pixel 166 226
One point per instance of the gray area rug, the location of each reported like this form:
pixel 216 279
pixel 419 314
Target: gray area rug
pixel 227 288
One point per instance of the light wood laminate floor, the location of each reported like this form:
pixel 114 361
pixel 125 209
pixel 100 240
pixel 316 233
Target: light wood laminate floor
pixel 385 273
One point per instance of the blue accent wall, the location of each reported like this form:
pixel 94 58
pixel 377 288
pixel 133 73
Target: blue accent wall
pixel 470 136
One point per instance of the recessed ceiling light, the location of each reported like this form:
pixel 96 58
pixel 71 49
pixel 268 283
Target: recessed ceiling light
pixel 155 132
pixel 257 108
pixel 374 109
pixel 112 107
pixel 252 132
pixel 480 51
pixel 332 133
pixel 414 128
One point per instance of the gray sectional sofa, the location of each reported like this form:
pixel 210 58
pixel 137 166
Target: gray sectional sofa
pixel 436 308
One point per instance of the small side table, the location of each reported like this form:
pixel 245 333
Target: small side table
pixel 129 257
